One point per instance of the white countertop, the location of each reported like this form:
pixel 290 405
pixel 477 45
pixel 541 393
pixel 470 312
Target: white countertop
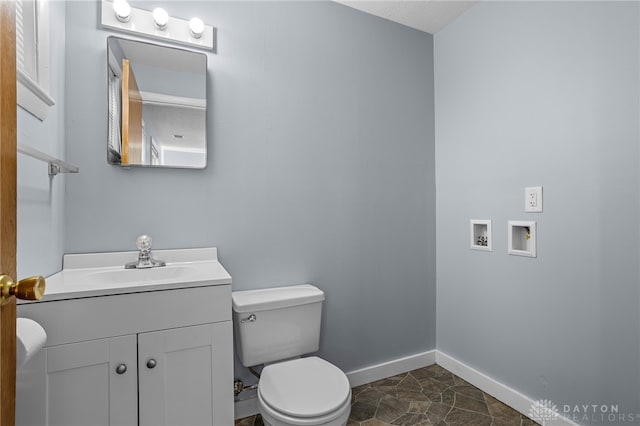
pixel 103 274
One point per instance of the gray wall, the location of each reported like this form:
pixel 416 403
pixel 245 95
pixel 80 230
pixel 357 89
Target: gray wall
pixel 321 166
pixel 542 93
pixel 41 208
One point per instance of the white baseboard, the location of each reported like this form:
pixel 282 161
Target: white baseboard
pixel 391 368
pixel 504 393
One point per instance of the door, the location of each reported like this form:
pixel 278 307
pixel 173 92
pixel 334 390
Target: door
pixel 186 375
pixel 32 288
pixel 7 209
pixel 92 383
pixel 132 128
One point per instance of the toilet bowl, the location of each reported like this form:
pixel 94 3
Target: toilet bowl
pixel 272 325
pixel 306 391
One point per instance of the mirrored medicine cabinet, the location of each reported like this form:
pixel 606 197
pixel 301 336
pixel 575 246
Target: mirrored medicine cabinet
pixel 157 105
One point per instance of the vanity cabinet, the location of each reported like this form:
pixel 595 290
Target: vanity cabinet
pixel 151 358
pixel 180 374
pixel 91 383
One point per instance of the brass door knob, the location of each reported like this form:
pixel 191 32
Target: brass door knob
pixel 31 288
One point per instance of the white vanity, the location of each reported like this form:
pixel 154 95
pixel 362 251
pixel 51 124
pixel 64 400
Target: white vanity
pixel 132 347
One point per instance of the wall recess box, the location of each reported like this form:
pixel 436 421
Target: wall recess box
pixel 522 238
pixel 480 232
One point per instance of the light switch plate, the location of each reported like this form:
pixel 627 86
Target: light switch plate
pixel 533 199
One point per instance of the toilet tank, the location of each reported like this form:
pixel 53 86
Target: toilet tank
pixel 277 323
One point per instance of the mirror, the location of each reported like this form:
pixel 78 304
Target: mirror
pixel 157 105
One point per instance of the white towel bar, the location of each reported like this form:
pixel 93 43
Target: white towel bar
pixel 55 165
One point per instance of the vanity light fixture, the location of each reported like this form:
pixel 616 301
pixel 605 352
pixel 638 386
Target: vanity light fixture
pixel 153 24
pixel 160 18
pixel 196 27
pixel 122 10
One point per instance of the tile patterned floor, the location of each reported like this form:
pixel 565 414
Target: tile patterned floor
pixel 427 396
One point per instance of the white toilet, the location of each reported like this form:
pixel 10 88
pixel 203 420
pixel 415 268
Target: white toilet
pixel 274 327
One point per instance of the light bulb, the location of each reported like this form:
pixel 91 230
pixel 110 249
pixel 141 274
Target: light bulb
pixel 196 26
pixel 122 10
pixel 160 17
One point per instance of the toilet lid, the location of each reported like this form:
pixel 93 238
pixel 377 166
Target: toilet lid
pixel 305 387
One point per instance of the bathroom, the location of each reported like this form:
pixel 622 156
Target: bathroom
pixel 351 152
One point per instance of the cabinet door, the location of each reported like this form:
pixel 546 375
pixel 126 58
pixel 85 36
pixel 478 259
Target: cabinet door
pixel 92 383
pixel 186 376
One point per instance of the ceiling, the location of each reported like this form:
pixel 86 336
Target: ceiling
pixel 425 15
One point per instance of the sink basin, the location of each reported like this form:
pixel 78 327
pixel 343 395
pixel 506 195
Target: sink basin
pixel 122 276
pixel 102 274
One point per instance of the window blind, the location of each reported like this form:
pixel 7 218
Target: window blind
pixel 26 38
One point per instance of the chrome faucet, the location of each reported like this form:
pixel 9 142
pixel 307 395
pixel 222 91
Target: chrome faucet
pixel 145 260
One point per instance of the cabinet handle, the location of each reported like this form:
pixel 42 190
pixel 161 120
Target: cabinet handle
pixel 121 368
pixel 151 363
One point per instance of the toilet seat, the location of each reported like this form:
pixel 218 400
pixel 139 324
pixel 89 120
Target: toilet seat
pixel 311 390
pixel 270 417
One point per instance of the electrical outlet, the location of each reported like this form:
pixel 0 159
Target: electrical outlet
pixel 533 199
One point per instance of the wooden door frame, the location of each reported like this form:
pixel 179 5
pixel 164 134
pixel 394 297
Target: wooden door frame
pixel 8 234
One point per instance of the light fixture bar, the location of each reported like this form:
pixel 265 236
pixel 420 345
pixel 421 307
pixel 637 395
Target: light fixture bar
pixel 141 22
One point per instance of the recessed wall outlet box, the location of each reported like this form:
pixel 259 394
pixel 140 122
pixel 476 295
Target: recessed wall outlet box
pixel 522 238
pixel 533 199
pixel 481 234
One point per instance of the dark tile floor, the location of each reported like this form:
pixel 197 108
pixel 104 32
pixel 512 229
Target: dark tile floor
pixel 427 396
